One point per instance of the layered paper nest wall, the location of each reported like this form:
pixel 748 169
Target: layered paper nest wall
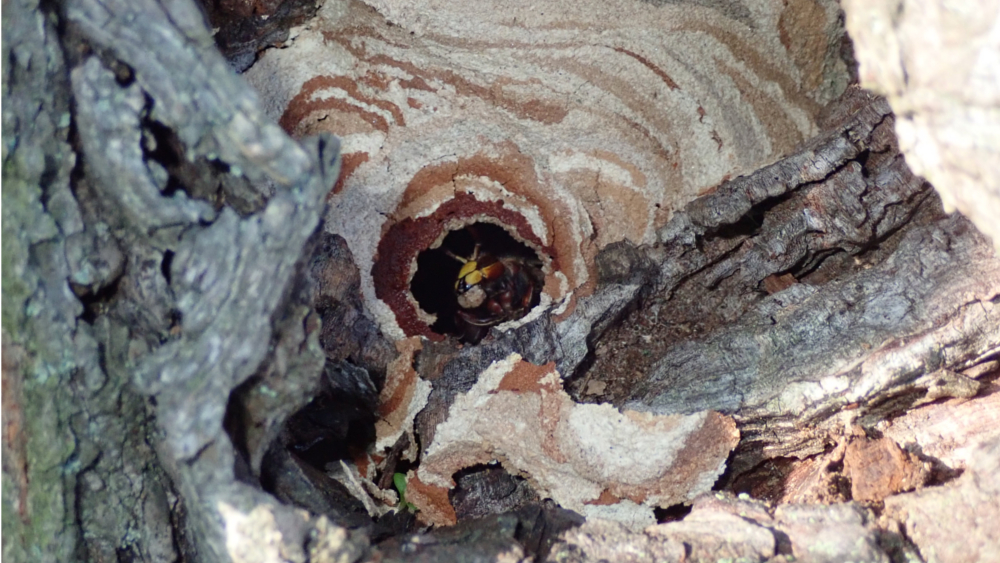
pixel 573 125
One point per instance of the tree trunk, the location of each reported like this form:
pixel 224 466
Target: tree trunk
pixel 194 299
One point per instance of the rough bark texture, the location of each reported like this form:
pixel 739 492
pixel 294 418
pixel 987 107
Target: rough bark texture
pixel 243 28
pixel 178 333
pixel 171 327
pixel 723 528
pixel 939 66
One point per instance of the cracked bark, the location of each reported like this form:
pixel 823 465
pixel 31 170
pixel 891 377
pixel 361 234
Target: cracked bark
pixel 135 456
pixel 133 310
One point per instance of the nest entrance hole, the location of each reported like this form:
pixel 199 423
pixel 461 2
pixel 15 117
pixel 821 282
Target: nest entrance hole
pixel 433 284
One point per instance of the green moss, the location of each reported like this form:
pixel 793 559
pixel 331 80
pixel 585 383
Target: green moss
pixel 15 256
pixel 46 532
pixel 10 528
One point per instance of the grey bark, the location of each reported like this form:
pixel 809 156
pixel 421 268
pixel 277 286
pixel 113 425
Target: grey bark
pixel 95 477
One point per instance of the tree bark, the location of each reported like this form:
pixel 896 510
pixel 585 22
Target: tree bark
pixel 127 302
pixel 172 300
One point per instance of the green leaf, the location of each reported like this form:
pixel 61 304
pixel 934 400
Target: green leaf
pixel 399 480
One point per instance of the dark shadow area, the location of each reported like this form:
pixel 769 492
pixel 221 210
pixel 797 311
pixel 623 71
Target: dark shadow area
pixel 95 303
pixel 339 424
pixel 673 513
